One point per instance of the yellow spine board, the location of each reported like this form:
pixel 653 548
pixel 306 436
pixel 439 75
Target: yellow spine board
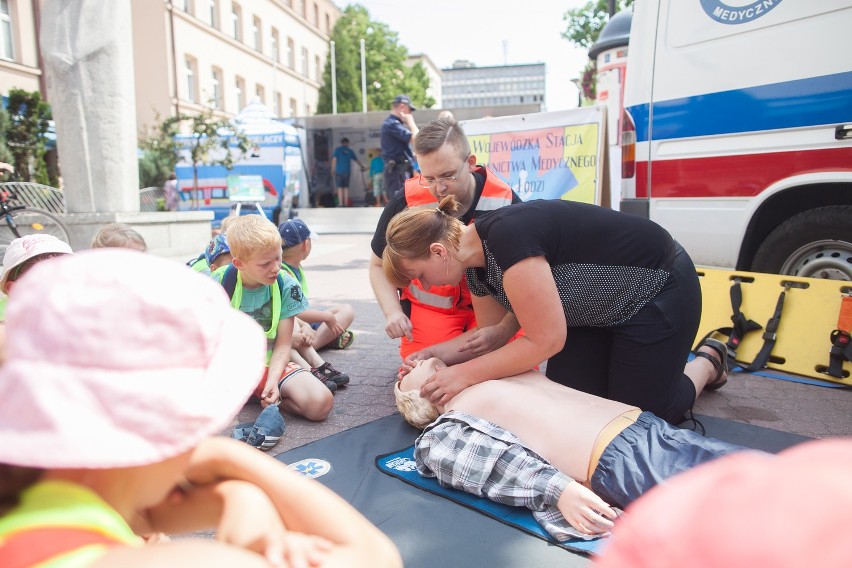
pixel 811 307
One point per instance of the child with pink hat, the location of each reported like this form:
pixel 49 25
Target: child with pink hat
pixel 121 367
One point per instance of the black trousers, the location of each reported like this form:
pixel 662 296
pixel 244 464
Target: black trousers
pixel 640 362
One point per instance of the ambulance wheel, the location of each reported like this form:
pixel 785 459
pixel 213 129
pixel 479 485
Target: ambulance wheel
pixel 813 244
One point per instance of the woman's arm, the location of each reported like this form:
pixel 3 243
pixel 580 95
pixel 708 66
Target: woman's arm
pixel 531 290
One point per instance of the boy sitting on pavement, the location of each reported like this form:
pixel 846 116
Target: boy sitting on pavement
pixel 22 254
pixel 564 454
pixel 255 246
pixel 332 322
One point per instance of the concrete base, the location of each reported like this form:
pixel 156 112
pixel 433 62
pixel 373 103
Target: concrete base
pixel 173 234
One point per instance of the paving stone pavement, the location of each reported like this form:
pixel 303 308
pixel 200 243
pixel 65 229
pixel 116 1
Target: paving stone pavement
pixel 337 272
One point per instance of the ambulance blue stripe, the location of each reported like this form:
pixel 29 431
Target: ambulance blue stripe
pixel 804 102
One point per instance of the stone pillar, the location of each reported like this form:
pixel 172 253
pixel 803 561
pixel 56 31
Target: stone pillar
pixel 87 51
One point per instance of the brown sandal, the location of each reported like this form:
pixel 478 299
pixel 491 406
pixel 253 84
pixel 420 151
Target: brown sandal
pixel 720 364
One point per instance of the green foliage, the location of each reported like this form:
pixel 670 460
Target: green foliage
pixel 585 23
pixel 5 154
pixel 208 134
pixel 387 73
pixel 26 125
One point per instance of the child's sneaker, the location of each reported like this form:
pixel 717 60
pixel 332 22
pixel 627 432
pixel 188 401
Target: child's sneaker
pixel 328 373
pixel 330 385
pixel 264 432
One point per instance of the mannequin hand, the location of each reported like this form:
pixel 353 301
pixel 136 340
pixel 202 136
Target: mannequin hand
pixel 585 511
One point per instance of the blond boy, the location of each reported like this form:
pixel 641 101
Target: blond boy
pixel 256 256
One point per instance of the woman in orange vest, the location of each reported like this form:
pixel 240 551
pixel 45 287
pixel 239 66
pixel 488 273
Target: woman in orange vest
pixel 121 367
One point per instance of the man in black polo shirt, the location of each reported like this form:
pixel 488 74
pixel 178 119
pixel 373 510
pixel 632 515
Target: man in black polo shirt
pixel 398 131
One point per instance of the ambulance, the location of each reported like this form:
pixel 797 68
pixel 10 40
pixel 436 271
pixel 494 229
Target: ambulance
pixel 736 132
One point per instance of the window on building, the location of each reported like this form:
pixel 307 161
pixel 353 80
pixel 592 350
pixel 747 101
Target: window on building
pixel 236 21
pixel 216 94
pixel 257 34
pixel 6 51
pixel 240 93
pixel 274 49
pixel 260 91
pixel 213 13
pixel 291 53
pixel 187 6
pixel 279 102
pixel 316 15
pixel 304 61
pixel 328 24
pixel 304 9
pixel 307 109
pixel 317 68
pixel 293 108
pixel 191 79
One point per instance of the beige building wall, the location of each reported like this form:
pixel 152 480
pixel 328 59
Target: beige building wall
pixel 20 68
pixel 194 53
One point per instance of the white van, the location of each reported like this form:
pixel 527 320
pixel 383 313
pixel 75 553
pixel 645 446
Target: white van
pixel 737 135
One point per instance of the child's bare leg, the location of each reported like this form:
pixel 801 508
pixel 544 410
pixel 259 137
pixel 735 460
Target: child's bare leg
pixel 344 314
pixel 302 394
pixel 306 357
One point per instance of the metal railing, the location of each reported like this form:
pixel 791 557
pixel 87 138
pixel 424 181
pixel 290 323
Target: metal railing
pixel 35 195
pixel 152 199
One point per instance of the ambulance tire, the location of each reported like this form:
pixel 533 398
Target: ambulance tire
pixel 814 244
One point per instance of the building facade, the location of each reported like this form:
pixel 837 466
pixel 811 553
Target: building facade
pixel 433 73
pixel 465 85
pixel 189 54
pixel 222 53
pixel 19 55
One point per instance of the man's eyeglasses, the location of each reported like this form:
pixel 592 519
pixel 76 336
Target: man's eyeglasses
pixel 432 182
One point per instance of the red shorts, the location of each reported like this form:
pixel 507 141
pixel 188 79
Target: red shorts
pixel 290 370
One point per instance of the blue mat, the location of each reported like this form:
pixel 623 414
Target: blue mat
pixel 401 465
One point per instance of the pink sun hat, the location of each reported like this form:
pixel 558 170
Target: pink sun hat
pixel 24 248
pixel 118 359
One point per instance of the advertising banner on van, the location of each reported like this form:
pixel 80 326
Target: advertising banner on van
pixel 548 155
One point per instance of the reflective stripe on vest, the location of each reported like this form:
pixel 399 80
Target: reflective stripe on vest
pixel 439 301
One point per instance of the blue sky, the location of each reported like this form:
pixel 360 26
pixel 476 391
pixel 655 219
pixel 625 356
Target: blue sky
pixel 489 32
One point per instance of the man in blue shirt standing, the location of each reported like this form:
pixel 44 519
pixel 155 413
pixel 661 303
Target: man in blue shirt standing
pixel 398 131
pixel 341 165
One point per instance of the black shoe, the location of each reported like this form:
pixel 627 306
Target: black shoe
pixel 328 373
pixel 331 385
pixel 720 364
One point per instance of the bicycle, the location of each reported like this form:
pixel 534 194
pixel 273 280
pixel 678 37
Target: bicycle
pixel 19 220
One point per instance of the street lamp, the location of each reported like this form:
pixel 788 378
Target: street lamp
pixel 579 84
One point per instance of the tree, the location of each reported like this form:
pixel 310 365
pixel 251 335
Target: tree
pixel 213 141
pixel 584 28
pixel 28 120
pixel 5 154
pixel 387 73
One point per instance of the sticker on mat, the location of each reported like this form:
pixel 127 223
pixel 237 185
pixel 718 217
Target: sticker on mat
pixel 401 464
pixel 311 467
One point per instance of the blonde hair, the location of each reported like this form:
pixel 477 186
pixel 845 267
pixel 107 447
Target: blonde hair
pixel 249 234
pixel 225 223
pixel 415 409
pixel 410 233
pixel 119 235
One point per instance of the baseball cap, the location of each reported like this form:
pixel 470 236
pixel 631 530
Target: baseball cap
pixel 24 248
pixel 403 99
pixel 743 510
pixel 119 359
pixel 217 247
pixel 295 231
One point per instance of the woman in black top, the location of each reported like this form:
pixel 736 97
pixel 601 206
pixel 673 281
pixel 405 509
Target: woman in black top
pixel 610 300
